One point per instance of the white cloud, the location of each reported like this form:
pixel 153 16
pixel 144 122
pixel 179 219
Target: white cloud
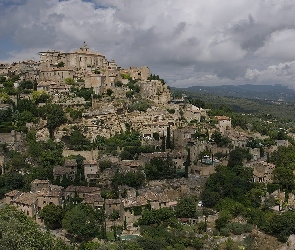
pixel 280 45
pixel 234 41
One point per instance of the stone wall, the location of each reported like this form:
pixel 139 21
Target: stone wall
pixel 89 155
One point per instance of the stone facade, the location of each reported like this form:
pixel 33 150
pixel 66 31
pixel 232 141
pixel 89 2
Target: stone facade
pixel 91 170
pixel 224 123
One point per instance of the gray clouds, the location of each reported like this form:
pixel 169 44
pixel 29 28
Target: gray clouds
pixel 184 41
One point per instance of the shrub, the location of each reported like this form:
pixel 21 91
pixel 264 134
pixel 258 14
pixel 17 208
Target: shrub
pixel 171 111
pixel 224 232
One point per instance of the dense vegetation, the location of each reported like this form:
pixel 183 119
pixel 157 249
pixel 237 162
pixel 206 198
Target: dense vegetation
pixel 18 231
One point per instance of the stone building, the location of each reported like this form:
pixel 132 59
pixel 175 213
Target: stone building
pixel 51 195
pixel 93 67
pixel 91 170
pixel 96 81
pixel 177 157
pixel 38 185
pixel 224 123
pixel 68 170
pixel 27 203
pixel 262 171
pixel 112 205
pixel 81 191
pixel 81 59
pixel 141 73
pixel 11 196
pixel 4 69
pixel 155 90
pixel 94 200
pixel 183 136
pixel 56 74
pixel 126 166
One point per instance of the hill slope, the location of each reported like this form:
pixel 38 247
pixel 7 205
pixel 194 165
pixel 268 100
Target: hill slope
pixel 260 92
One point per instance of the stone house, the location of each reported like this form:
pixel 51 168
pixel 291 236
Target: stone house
pixel 192 113
pixel 255 152
pixel 68 170
pixel 142 73
pixel 27 203
pixel 14 139
pixel 4 69
pixel 51 195
pixel 132 209
pixel 81 191
pixel 157 200
pixel 45 85
pixel 38 185
pixel 262 171
pixel 177 157
pixel 223 123
pixel 11 196
pixel 111 205
pixel 95 81
pixel 282 143
pixel 182 136
pixel 56 74
pixel 126 166
pixel 94 200
pixel 91 170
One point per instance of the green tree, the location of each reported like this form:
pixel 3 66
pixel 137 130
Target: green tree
pixel 55 116
pixel 18 231
pixel 82 221
pixel 158 169
pixel 52 216
pixel 78 141
pixel 26 85
pixel 156 216
pixel 219 139
pixel 114 215
pixel 283 225
pixel 109 92
pixel 60 64
pixel 70 81
pixel 284 157
pixel 186 207
pixel 237 156
pixel 284 176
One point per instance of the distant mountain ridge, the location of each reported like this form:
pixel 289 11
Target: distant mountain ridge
pixel 261 92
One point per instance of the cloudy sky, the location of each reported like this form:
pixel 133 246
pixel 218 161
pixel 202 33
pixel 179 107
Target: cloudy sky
pixel 186 42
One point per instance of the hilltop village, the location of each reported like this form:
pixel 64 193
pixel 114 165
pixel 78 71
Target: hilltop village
pixel 78 128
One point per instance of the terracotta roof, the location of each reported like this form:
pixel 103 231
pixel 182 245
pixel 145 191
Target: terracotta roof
pixel 129 163
pixel 36 181
pixel 92 198
pixel 12 193
pixel 27 198
pixel 112 201
pixel 135 202
pixel 82 189
pixel 70 163
pixel 60 170
pixel 222 117
pixel 92 162
pixel 52 191
pixel 150 196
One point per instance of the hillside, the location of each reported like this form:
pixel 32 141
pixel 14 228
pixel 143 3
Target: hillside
pixel 258 107
pixel 257 92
